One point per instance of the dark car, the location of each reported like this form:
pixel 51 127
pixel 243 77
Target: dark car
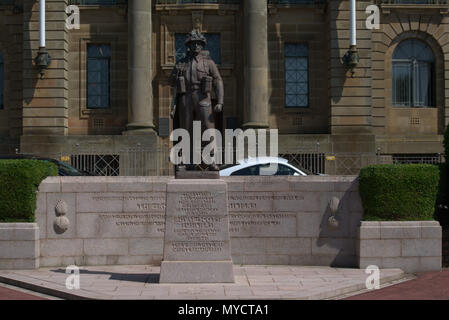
pixel 63 168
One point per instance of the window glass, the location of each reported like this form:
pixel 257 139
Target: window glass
pixel 296 75
pixel 283 170
pixel 213 46
pixel 98 76
pixel 413 74
pixel 249 171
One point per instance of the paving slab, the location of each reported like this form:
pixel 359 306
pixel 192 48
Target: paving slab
pixel 423 286
pixel 252 282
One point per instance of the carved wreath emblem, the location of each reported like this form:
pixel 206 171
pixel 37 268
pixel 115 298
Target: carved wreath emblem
pixel 61 223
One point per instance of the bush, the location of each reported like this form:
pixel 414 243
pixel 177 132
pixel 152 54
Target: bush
pixel 399 192
pixel 19 181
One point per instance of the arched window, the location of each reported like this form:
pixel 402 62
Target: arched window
pixel 413 74
pixel 2 81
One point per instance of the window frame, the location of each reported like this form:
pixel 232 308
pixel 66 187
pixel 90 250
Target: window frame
pixel 308 106
pixel 413 65
pixel 84 112
pixel 108 59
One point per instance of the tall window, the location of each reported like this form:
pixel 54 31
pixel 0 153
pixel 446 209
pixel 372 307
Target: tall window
pixel 296 75
pixel 213 46
pixel 413 74
pixel 2 81
pixel 98 76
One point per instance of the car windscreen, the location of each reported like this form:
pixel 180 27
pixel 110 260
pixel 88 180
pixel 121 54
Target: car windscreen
pixel 70 170
pixel 65 169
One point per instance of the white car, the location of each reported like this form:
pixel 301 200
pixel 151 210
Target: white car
pixel 262 166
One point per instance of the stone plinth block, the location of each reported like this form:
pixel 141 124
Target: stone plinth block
pixel 197 247
pixel 19 246
pixel 413 246
pixel 197 272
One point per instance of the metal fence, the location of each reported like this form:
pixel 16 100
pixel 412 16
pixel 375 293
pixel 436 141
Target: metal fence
pixel 424 2
pixel 418 158
pixel 313 162
pixel 197 1
pixel 137 161
pixel 99 2
pixel 145 161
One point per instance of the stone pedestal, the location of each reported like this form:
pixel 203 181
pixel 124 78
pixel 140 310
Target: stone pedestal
pixel 197 246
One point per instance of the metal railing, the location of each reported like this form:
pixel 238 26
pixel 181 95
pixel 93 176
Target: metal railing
pixel 239 1
pixel 424 2
pixel 289 2
pixel 313 162
pixel 98 2
pixel 146 161
pixel 116 2
pixel 197 1
pixel 418 158
pixel 137 161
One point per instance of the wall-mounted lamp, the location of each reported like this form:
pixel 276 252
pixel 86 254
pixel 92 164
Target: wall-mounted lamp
pixel 42 61
pixel 43 58
pixel 351 58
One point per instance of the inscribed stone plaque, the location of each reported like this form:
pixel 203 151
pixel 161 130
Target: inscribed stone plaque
pixel 120 225
pixel 261 224
pixel 250 201
pixel 196 243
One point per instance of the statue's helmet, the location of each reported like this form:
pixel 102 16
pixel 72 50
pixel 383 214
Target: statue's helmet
pixel 195 35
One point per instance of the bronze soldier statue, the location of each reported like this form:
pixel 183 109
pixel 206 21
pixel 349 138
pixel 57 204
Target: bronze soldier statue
pixel 193 79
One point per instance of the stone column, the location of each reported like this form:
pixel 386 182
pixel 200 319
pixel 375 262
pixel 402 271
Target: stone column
pixel 140 90
pixel 256 67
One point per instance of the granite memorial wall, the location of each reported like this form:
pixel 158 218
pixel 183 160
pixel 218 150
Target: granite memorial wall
pixel 272 220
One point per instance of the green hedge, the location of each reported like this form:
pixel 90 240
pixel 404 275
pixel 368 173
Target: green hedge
pixel 399 192
pixel 19 181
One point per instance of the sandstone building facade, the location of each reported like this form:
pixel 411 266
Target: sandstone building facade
pixel 105 94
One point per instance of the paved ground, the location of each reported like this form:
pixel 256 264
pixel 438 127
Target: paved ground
pixel 427 286
pixel 8 292
pixel 252 282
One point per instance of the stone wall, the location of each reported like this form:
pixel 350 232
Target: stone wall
pixel 273 220
pixel 425 124
pixel 413 246
pixel 108 27
pixel 314 220
pixel 350 97
pixel 11 48
pixel 299 25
